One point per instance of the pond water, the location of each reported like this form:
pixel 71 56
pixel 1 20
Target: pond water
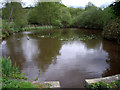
pixel 66 55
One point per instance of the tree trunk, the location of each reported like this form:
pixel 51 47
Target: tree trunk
pixel 11 11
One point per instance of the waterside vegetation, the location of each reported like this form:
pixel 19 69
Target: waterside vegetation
pixel 12 78
pixel 15 19
pixel 103 85
pixel 55 14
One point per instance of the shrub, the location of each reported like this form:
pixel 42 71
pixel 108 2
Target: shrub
pixel 103 85
pixel 7 83
pixel 7 67
pixel 99 85
pixel 112 30
pixel 90 18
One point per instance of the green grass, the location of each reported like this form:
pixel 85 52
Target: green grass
pixel 7 83
pixel 12 78
pixel 7 67
pixel 101 85
pixel 36 28
pixel 6 31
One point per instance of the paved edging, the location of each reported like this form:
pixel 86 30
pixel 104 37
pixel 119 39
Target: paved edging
pixel 105 79
pixel 54 84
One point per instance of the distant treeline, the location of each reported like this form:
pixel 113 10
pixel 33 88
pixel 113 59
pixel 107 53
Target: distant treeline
pixel 57 14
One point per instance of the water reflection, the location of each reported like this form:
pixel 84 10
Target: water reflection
pixel 76 54
pixel 30 48
pixel 76 63
pixel 70 62
pixel 4 49
pixel 114 57
pixel 49 50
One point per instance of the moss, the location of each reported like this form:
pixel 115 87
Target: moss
pixel 112 30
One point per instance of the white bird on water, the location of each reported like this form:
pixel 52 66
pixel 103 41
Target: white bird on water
pixel 28 38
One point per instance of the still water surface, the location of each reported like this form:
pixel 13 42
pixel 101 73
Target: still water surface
pixel 68 61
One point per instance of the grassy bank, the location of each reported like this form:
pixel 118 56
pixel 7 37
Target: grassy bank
pixel 8 31
pixel 12 78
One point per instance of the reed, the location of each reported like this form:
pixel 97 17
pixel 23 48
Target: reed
pixel 7 67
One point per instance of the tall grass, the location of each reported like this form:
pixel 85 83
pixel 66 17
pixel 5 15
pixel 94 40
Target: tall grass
pixel 7 67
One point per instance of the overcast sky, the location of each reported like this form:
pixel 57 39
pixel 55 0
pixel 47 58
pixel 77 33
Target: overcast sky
pixel 73 3
pixel 77 3
pixel 83 3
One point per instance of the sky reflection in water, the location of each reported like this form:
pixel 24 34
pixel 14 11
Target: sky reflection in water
pixel 70 62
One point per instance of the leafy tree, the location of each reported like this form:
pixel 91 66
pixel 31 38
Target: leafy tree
pixel 74 13
pixel 116 8
pixel 66 18
pixel 107 15
pixel 90 18
pixel 89 5
pixel 13 12
pixel 45 13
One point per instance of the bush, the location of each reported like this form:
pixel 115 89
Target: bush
pixel 98 86
pixel 90 18
pixel 7 83
pixel 103 85
pixel 7 67
pixel 112 30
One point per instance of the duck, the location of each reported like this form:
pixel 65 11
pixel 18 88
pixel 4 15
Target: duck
pixel 28 38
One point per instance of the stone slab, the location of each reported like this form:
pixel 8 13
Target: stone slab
pixel 54 84
pixel 105 79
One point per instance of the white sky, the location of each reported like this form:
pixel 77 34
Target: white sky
pixel 83 3
pixel 73 3
pixel 77 3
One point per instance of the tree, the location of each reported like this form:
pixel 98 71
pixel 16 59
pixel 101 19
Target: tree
pixel 66 18
pixel 116 8
pixel 13 12
pixel 89 5
pixel 90 18
pixel 45 13
pixel 107 15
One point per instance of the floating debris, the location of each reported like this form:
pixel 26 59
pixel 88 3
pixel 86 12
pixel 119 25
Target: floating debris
pixel 42 36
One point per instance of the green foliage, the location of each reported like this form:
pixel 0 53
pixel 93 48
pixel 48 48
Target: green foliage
pixel 67 35
pixel 45 13
pixel 11 83
pixel 112 30
pixel 108 15
pixel 90 18
pixel 89 5
pixel 7 83
pixel 55 14
pixel 116 8
pixel 37 27
pixel 11 78
pixel 7 67
pixel 11 70
pixel 111 17
pixel 13 12
pixel 99 85
pixel 66 18
pixel 103 85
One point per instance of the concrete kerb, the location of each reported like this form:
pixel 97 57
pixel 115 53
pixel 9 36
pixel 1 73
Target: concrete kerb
pixel 105 79
pixel 54 84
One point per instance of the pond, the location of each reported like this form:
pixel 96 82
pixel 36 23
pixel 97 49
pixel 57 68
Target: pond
pixel 66 55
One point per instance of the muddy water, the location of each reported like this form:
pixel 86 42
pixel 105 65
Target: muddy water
pixel 63 55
